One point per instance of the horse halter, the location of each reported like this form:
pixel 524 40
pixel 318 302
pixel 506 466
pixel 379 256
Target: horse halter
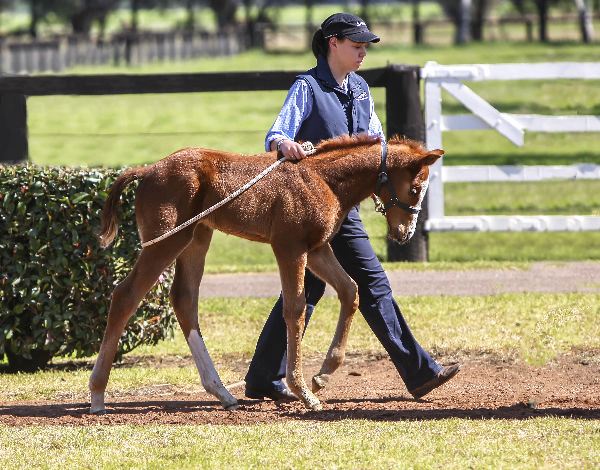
pixel 383 178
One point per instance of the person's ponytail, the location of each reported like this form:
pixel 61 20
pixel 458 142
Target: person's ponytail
pixel 320 45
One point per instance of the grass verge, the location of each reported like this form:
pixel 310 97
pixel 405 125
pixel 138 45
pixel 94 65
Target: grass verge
pixel 545 443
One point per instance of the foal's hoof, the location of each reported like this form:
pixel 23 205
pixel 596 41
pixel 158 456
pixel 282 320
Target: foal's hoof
pixel 315 406
pixel 313 403
pixel 229 403
pixel 319 382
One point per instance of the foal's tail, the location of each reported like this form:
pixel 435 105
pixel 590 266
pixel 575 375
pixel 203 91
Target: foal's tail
pixel 110 216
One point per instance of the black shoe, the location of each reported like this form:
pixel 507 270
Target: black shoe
pixel 277 395
pixel 443 376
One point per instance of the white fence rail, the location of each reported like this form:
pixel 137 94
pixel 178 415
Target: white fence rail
pixel 477 173
pixel 511 126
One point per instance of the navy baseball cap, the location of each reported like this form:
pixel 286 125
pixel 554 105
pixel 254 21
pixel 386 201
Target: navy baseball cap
pixel 347 26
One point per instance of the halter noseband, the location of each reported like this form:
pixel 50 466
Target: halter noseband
pixel 383 178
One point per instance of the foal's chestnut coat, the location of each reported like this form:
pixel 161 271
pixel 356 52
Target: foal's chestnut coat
pixel 296 208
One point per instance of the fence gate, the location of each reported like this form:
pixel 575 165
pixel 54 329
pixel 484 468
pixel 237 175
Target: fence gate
pixel 512 126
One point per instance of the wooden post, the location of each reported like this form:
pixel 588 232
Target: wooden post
pixel 13 128
pixel 405 118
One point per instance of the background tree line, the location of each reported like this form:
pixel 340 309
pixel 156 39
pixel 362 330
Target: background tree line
pixel 468 16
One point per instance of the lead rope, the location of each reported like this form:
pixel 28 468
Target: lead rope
pixel 308 148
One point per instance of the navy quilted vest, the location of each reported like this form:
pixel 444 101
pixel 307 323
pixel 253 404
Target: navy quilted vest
pixel 335 112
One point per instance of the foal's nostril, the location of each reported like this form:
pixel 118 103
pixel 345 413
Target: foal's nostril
pixel 400 234
pixel 406 237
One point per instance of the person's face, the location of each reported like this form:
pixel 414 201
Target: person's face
pixel 348 54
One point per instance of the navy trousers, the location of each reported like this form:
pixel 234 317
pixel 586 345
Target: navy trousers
pixel 353 250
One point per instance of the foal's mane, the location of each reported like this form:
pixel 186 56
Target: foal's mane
pixel 350 141
pixel 343 142
pixel 413 145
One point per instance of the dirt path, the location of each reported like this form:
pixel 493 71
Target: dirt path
pixel 541 277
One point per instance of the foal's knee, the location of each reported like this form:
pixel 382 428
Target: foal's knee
pixel 293 313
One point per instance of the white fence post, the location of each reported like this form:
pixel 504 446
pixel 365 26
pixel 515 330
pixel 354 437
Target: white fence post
pixel 433 138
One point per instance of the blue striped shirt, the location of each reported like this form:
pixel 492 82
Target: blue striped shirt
pixel 297 107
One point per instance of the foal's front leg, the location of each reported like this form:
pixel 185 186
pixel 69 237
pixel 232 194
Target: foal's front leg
pixel 291 270
pixel 324 264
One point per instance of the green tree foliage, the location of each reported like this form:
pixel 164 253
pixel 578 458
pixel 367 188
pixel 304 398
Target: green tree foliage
pixel 55 280
pixel 80 14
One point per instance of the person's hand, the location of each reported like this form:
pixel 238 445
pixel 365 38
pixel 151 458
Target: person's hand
pixel 292 150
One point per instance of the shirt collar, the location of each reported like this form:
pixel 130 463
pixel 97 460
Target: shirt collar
pixel 345 83
pixel 324 74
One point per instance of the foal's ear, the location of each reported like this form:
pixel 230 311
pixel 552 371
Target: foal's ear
pixel 431 157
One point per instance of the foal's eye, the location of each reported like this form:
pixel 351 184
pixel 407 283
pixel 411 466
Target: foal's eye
pixel 414 191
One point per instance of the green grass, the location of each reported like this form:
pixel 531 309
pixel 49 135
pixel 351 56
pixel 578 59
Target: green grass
pixel 545 443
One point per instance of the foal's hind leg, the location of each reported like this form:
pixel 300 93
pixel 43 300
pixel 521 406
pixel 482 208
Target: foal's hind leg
pixel 125 299
pixel 324 264
pixel 184 298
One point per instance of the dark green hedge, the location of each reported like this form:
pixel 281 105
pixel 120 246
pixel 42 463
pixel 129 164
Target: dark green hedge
pixel 55 281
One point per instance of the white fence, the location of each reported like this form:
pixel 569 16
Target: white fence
pixel 512 126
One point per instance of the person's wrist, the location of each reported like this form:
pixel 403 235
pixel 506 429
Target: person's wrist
pixel 279 145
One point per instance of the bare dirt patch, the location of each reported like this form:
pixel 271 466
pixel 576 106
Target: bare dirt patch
pixel 364 388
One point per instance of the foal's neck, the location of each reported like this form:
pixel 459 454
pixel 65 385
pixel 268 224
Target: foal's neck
pixel 353 176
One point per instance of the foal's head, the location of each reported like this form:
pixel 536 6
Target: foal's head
pixel 407 180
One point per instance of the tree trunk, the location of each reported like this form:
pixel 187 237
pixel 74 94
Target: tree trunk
pixel 190 22
pixel 364 10
pixel 463 23
pixel 584 10
pixel 135 6
pixel 477 24
pixel 542 6
pixel 225 12
pixel 34 12
pixel 308 22
pixel 416 23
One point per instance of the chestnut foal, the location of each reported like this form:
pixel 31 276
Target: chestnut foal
pixel 296 208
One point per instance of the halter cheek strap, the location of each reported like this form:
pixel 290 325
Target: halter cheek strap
pixel 383 178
